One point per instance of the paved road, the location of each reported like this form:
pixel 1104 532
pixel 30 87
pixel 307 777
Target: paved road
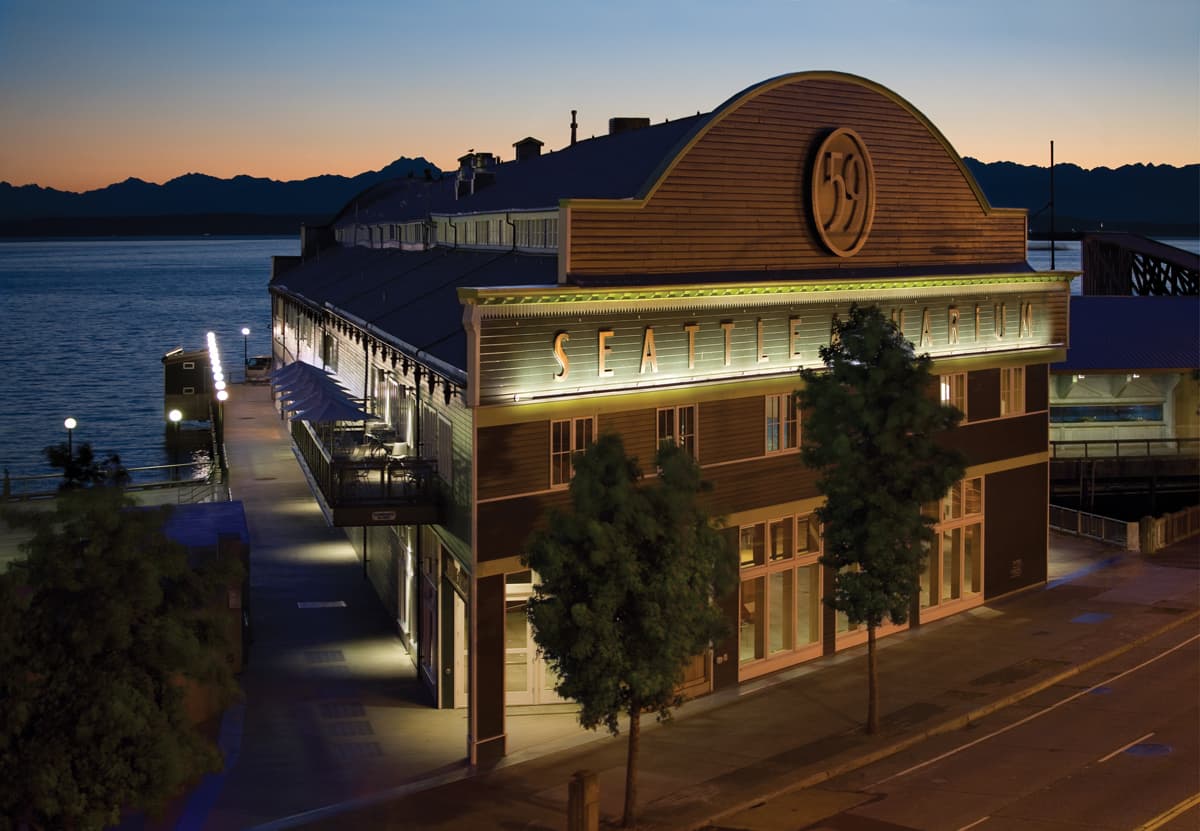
pixel 1115 749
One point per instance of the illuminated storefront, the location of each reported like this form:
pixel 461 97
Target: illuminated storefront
pixel 667 283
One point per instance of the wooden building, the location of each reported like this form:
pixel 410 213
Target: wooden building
pixel 667 281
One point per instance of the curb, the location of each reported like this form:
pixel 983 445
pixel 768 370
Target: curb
pixel 947 726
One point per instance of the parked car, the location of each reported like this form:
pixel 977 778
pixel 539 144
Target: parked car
pixel 258 369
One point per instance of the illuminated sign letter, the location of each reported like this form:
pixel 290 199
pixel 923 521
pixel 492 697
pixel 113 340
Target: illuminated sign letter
pixel 999 319
pixel 762 353
pixel 794 338
pixel 898 319
pixel 649 353
pixel 952 325
pixel 926 331
pixel 1025 329
pixel 691 329
pixel 976 321
pixel 727 325
pixel 560 356
pixel 603 350
pixel 835 337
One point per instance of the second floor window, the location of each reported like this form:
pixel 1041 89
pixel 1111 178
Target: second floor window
pixel 783 426
pixel 677 425
pixel 1012 391
pixel 954 391
pixel 568 437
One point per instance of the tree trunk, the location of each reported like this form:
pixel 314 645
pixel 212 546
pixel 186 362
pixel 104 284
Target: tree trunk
pixel 630 817
pixel 872 683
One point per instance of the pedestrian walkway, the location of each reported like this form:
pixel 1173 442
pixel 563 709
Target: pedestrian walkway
pixel 337 732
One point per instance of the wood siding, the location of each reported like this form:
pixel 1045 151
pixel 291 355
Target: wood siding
pixel 731 429
pixel 639 433
pixel 513 458
pixel 983 394
pixel 504 526
pixel 1002 438
pixel 1037 387
pixel 738 198
pixel 754 483
pixel 1015 536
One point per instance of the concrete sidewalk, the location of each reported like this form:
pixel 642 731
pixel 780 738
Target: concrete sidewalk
pixel 337 733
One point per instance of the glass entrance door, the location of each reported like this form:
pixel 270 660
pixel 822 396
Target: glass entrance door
pixel 527 678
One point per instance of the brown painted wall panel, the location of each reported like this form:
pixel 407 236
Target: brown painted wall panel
pixel 638 429
pixel 708 215
pixel 754 483
pixel 505 525
pixel 488 695
pixel 725 651
pixel 1003 438
pixel 732 429
pixel 983 394
pixel 1037 387
pixel 513 458
pixel 1015 535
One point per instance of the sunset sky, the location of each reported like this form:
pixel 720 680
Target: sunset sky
pixel 92 93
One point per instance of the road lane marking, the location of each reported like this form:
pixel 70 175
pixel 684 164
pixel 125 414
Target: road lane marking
pixel 1123 748
pixel 1031 716
pixel 979 821
pixel 1171 813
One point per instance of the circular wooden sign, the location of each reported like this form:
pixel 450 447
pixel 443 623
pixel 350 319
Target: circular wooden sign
pixel 843 192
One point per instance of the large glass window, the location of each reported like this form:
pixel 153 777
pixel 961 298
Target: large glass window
pixel 954 567
pixel 954 391
pixel 1012 391
pixel 568 437
pixel 1105 413
pixel 677 425
pixel 783 427
pixel 780 591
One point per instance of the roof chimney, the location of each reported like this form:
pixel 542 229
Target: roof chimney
pixel 573 126
pixel 626 124
pixel 528 148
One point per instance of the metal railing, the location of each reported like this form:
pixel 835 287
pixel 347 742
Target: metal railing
pixel 1123 448
pixel 361 472
pixel 187 482
pixel 1096 527
pixel 1175 527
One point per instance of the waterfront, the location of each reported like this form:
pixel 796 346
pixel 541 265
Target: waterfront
pixel 85 322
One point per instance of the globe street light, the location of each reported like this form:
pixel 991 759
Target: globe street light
pixel 245 347
pixel 69 423
pixel 175 417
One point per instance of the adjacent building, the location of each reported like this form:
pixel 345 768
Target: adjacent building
pixel 665 281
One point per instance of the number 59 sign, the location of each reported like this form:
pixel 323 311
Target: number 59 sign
pixel 843 192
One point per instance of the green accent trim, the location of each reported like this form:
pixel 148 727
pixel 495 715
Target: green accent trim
pixel 557 294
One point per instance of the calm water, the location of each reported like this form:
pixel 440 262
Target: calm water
pixel 84 325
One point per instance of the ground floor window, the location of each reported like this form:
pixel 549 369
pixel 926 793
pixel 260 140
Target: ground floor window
pixel 954 567
pixel 780 608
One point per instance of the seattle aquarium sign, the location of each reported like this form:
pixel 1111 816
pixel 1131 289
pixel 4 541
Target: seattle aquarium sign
pixel 529 344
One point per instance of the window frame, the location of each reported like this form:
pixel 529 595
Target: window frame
pixel 794 562
pixel 556 456
pixel 947 393
pixel 1012 391
pixel 959 510
pixel 787 441
pixel 688 441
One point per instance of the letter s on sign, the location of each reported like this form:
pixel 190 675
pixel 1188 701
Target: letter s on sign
pixel 560 356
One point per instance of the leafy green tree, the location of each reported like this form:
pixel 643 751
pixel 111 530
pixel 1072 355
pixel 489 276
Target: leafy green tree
pixel 870 425
pixel 103 624
pixel 81 468
pixel 630 579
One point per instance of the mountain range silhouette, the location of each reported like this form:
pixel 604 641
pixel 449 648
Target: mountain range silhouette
pixel 1152 199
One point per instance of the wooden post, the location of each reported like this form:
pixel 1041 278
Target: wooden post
pixel 583 802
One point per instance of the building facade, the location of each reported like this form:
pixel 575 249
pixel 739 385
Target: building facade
pixel 667 282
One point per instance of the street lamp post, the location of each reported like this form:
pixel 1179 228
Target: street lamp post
pixel 175 416
pixel 245 350
pixel 70 424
